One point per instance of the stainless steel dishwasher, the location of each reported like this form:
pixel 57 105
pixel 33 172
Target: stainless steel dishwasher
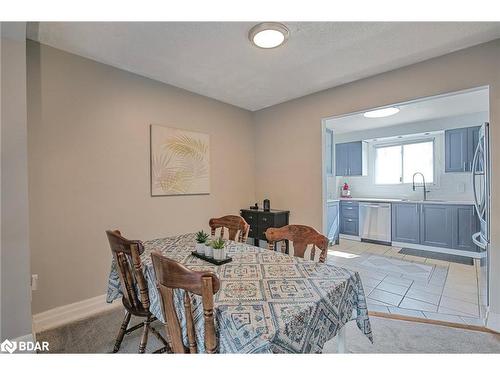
pixel 375 222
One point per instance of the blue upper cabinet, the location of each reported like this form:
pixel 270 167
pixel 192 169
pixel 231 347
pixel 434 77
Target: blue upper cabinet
pixel 460 145
pixel 350 159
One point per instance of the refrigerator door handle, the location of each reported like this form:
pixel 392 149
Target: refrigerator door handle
pixel 476 238
pixel 474 190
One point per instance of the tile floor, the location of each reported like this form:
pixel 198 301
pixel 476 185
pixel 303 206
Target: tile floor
pixel 409 285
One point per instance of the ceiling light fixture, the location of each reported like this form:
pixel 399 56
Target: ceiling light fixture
pixel 384 112
pixel 268 35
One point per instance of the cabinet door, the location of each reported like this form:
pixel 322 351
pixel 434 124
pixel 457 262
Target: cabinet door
pixel 405 222
pixel 465 224
pixel 355 159
pixel 349 226
pixel 341 159
pixel 332 221
pixel 436 225
pixel 473 140
pixel 456 150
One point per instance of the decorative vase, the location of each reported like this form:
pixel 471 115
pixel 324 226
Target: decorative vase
pixel 220 254
pixel 209 251
pixel 200 248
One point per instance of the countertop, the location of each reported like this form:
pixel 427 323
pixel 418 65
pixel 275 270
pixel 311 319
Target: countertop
pixel 394 200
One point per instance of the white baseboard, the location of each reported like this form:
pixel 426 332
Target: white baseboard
pixel 470 254
pixel 69 313
pixel 493 321
pixel 349 237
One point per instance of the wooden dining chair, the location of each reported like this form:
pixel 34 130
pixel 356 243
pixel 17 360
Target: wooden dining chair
pixel 172 275
pixel 126 254
pixel 302 237
pixel 235 224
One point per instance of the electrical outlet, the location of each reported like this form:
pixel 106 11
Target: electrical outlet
pixel 34 282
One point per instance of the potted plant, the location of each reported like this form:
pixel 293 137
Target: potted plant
pixel 201 239
pixel 219 246
pixel 209 251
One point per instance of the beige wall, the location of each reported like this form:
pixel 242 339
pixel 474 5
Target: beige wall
pixel 88 134
pixel 15 302
pixel 288 136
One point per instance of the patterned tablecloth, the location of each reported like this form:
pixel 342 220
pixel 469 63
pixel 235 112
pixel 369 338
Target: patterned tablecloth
pixel 268 302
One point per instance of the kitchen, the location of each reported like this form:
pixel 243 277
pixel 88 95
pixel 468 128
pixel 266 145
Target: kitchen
pixel 402 209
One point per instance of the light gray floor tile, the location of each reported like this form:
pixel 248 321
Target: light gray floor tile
pixel 445 310
pixel 398 280
pixel 406 312
pixel 386 297
pixel 443 317
pixel 423 296
pixel 413 304
pixel 378 308
pixel 393 288
pixel 372 302
pixel 461 306
pixel 368 281
pixel 428 288
pixel 461 296
pixel 472 321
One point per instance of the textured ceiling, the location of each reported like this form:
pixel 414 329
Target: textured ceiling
pixel 217 60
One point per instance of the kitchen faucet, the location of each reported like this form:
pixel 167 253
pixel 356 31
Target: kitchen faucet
pixel 425 187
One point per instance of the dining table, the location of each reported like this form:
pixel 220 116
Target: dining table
pixel 268 301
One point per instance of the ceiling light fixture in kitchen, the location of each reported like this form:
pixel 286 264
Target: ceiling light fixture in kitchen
pixel 268 34
pixel 384 112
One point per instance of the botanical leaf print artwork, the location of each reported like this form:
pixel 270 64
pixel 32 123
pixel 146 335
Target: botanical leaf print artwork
pixel 180 162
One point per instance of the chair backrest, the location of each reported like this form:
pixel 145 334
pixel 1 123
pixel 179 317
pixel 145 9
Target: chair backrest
pixel 127 255
pixel 301 236
pixel 172 275
pixel 234 224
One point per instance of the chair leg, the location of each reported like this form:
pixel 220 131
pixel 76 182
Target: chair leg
pixel 144 337
pixel 121 332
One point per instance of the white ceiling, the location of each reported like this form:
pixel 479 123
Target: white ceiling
pixel 217 60
pixel 437 107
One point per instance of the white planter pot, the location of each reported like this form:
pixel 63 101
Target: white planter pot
pixel 219 254
pixel 209 251
pixel 200 248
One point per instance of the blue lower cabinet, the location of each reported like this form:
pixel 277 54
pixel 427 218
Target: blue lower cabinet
pixel 465 224
pixel 349 226
pixel 436 225
pixel 349 218
pixel 332 221
pixel 406 222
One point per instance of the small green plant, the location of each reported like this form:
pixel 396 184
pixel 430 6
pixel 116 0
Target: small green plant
pixel 219 243
pixel 201 237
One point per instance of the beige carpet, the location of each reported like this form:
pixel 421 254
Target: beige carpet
pixel 97 335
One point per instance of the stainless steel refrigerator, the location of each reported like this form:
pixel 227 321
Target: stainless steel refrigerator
pixel 481 184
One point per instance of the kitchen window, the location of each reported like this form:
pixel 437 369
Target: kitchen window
pixel 396 163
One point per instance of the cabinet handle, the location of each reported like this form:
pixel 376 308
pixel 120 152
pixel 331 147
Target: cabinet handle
pixel 345 172
pixel 416 208
pixel 250 217
pixel 349 171
pixel 349 220
pixel 264 219
pixel 465 166
pixel 348 208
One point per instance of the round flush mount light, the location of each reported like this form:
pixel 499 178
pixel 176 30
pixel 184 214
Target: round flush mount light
pixel 384 112
pixel 268 35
